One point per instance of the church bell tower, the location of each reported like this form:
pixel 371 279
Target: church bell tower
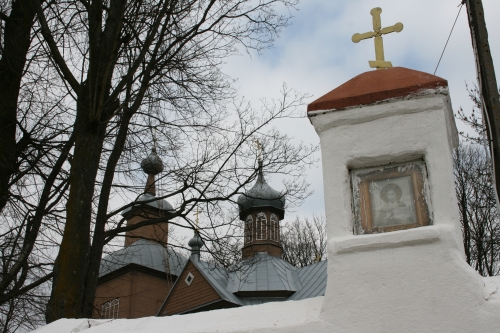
pixel 261 208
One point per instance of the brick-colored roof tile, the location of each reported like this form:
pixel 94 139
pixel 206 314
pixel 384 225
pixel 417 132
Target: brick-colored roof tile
pixel 375 86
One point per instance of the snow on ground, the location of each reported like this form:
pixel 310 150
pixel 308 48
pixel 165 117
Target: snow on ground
pixel 276 315
pixel 492 288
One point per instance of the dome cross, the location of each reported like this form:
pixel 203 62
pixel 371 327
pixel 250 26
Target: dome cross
pixel 259 150
pixel 197 221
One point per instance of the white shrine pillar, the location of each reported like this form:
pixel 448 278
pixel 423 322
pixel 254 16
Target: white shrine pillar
pixel 389 268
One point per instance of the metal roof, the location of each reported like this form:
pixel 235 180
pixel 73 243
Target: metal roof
pixel 144 253
pixel 313 279
pixel 160 204
pixel 152 165
pixel 265 273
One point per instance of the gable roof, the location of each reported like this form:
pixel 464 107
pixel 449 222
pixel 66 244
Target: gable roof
pixel 265 278
pixel 218 279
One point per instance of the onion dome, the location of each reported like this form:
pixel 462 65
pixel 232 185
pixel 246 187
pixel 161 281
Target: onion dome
pixel 196 243
pixel 261 195
pixel 152 165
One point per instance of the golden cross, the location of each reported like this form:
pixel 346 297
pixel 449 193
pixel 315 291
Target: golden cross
pixel 259 149
pixel 197 214
pixel 380 63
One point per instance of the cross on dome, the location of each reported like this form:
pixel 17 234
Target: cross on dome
pixel 259 150
pixel 380 63
pixel 197 215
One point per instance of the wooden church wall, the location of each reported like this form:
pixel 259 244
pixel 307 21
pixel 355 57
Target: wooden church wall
pixel 118 287
pixel 157 232
pixel 140 294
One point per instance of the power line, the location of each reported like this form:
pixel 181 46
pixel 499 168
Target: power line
pixel 441 57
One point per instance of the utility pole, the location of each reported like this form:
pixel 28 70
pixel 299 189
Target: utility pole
pixel 490 99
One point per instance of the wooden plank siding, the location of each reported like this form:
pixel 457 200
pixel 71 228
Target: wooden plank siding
pixel 140 294
pixel 184 297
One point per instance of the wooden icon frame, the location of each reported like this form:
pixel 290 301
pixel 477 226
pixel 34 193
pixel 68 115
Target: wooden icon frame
pixel 413 212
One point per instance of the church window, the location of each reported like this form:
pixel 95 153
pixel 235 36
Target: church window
pixel 261 226
pixel 249 229
pixel 274 227
pixel 189 279
pixel 109 310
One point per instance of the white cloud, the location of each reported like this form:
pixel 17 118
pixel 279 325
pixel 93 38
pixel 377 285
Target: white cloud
pixel 315 55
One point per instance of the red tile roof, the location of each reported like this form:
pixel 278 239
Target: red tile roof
pixel 375 86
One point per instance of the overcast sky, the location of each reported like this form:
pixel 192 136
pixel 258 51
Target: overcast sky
pixel 315 55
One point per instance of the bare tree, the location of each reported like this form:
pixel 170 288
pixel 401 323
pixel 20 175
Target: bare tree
pixel 477 206
pixel 31 219
pixel 115 57
pixel 16 22
pixel 25 312
pixel 35 141
pixel 111 71
pixel 476 194
pixel 304 241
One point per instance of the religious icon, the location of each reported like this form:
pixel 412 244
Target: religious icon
pixel 390 206
pixel 390 198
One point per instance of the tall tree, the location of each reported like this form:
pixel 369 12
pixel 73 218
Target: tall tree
pixel 35 141
pixel 116 55
pixel 15 36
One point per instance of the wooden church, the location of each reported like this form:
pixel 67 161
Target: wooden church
pixel 145 278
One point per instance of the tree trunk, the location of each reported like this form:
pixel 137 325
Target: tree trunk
pixel 70 270
pixel 101 218
pixel 94 109
pixel 487 83
pixel 17 39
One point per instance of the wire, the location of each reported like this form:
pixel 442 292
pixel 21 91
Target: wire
pixel 441 57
